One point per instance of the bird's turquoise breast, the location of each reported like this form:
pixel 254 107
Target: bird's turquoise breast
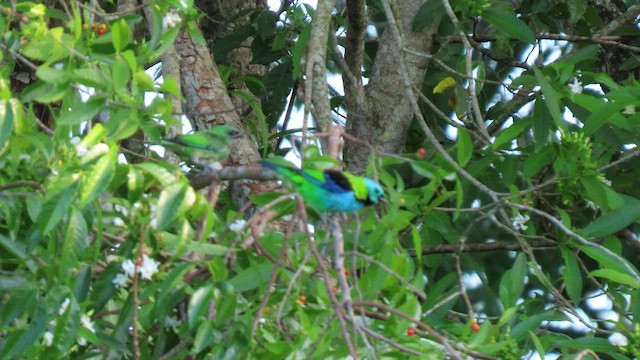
pixel 325 201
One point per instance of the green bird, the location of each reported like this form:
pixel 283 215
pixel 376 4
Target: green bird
pixel 330 190
pixel 207 147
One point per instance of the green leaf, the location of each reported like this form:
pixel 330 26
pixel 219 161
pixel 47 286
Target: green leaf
pixel 6 124
pixel 121 75
pixel 541 124
pixel 199 303
pixel 164 177
pixel 120 35
pixel 81 113
pixel 513 281
pixel 572 276
pixel 616 276
pixel 430 12
pixel 512 132
pixel 538 160
pixel 522 329
pixel 252 277
pixel 99 177
pixel 550 97
pixel 75 240
pixel 91 77
pixel 465 147
pixel 616 219
pixel 57 200
pixel 208 249
pixel 173 202
pixel 509 24
pixel 576 9
pixel 204 337
pixel 608 260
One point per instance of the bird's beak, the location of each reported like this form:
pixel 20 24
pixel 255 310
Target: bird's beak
pixel 383 200
pixel 236 134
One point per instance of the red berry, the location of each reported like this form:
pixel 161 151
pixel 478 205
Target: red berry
pixel 346 272
pixel 100 31
pixel 475 326
pixel 302 299
pixel 421 153
pixel 410 332
pixel 334 288
pixel 94 27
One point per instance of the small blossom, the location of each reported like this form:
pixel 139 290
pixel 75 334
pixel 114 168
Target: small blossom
pixel 48 339
pixel 153 223
pixel 237 225
pixel 85 320
pixel 519 222
pixel 53 323
pixel 576 86
pixel 64 306
pixel 54 171
pixel 25 157
pixel 118 222
pixel 120 209
pixel 591 205
pixel 100 148
pixel 617 339
pixel 171 19
pixel 75 140
pixel 120 280
pixel 606 181
pixel 148 268
pixel 81 150
pixel 129 267
pixel 82 341
pixel 171 322
pixel 629 110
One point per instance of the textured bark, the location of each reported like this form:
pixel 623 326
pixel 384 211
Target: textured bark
pixel 207 102
pixel 381 114
pixel 316 90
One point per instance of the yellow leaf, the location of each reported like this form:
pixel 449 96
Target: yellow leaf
pixel 444 84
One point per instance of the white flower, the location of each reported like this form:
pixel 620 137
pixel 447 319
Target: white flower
pixel 576 86
pixel 121 209
pixel 25 157
pixel 81 150
pixel 82 341
pixel 606 181
pixel 629 110
pixel 120 280
pixel 75 140
pixel 237 225
pixel 54 171
pixel 153 223
pixel 85 320
pixel 64 306
pixel 118 222
pixel 171 19
pixel 591 205
pixel 100 148
pixel 617 339
pixel 148 268
pixel 48 339
pixel 129 267
pixel 171 322
pixel 519 222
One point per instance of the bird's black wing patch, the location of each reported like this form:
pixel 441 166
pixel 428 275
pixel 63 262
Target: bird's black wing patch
pixel 339 179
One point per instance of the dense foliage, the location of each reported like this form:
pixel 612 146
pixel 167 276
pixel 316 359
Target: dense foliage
pixel 509 230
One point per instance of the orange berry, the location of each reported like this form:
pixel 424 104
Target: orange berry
pixel 346 272
pixel 411 332
pixel 302 299
pixel 102 26
pixel 334 288
pixel 475 326
pixel 421 153
pixel 94 27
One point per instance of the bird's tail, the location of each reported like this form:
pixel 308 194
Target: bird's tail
pixel 291 173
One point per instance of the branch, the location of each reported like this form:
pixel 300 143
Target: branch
pixel 484 247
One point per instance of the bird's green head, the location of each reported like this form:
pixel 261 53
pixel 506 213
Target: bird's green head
pixel 224 131
pixel 375 194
